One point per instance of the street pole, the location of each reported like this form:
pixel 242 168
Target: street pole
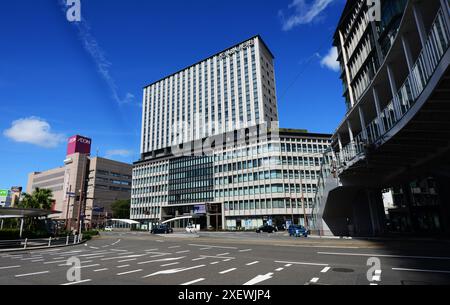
pixel 81 196
pixel 68 207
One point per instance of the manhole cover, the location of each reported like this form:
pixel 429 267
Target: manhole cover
pixel 343 270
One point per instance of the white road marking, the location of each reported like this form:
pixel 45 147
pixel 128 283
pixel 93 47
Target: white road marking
pixel 174 247
pixel 76 283
pixel 208 246
pixel 29 259
pixel 202 249
pixel 113 244
pixel 227 271
pixel 149 250
pixel 172 271
pixel 9 267
pixel 185 251
pixel 171 264
pixel 288 265
pixel 373 284
pixel 315 280
pixel 127 260
pixel 198 259
pixel 37 261
pixel 162 260
pixel 129 272
pixel 218 257
pixel 325 270
pixel 55 262
pixel 245 250
pixel 214 263
pixel 253 263
pixel 227 260
pixel 301 263
pixel 99 256
pixel 123 266
pixel 223 254
pixel 31 274
pixel 120 257
pixel 99 270
pixel 384 255
pixel 259 279
pixel 279 269
pixel 193 282
pixel 421 270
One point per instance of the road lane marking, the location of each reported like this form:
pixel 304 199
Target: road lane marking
pixel 279 269
pixel 55 262
pixel 162 260
pixel 150 250
pixel 31 274
pixel 38 261
pixel 193 282
pixel 253 263
pixel 214 263
pixel 325 270
pixel 227 271
pixel 421 270
pixel 174 247
pixel 99 270
pixel 127 260
pixel 218 257
pixel 198 259
pixel 123 266
pixel 301 263
pixel 122 257
pixel 203 249
pixel 245 250
pixel 288 265
pixel 9 267
pixel 384 255
pixel 185 251
pixel 259 279
pixel 171 264
pixel 76 283
pixel 315 280
pixel 129 272
pixel 209 246
pixel 223 254
pixel 172 271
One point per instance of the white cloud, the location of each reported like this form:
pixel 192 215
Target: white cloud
pixel 330 60
pixel 305 12
pixel 34 131
pixel 118 153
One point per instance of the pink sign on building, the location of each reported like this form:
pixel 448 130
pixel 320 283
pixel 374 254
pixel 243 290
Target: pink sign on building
pixel 79 144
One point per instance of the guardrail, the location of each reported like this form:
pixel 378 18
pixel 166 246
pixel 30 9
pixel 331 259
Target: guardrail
pixel 40 242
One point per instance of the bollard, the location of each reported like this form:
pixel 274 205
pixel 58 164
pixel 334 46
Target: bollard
pixel 49 241
pixel 80 238
pixel 67 240
pixel 25 245
pixel 74 239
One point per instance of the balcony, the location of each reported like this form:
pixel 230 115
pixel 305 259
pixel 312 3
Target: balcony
pixel 378 131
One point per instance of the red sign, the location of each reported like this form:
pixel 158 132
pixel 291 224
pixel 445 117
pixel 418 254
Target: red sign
pixel 79 144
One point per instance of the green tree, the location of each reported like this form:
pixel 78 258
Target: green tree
pixel 40 199
pixel 121 209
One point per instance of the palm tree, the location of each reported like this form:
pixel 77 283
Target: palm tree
pixel 40 199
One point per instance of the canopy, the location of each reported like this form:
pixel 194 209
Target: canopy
pixel 24 213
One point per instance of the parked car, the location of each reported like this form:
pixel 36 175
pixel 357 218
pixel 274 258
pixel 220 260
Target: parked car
pixel 266 229
pixel 162 229
pixel 191 228
pixel 108 229
pixel 297 231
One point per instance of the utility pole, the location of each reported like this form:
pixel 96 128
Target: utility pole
pixel 81 195
pixel 68 207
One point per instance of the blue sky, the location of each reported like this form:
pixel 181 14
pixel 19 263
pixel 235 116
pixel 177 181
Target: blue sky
pixel 59 78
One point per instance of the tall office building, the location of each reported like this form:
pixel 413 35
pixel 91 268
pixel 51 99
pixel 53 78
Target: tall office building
pixel 212 151
pixel 230 90
pixel 395 134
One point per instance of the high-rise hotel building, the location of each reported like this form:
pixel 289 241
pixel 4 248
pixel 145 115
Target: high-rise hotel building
pixel 248 171
pixel 231 90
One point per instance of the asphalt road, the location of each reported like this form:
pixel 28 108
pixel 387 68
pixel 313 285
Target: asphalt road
pixel 231 259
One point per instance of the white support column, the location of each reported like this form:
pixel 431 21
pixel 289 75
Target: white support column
pixel 363 124
pixel 394 91
pixel 1 226
pixel 350 131
pixel 378 108
pixel 408 55
pixel 422 34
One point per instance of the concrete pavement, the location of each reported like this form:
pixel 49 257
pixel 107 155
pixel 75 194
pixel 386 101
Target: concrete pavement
pixel 230 259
